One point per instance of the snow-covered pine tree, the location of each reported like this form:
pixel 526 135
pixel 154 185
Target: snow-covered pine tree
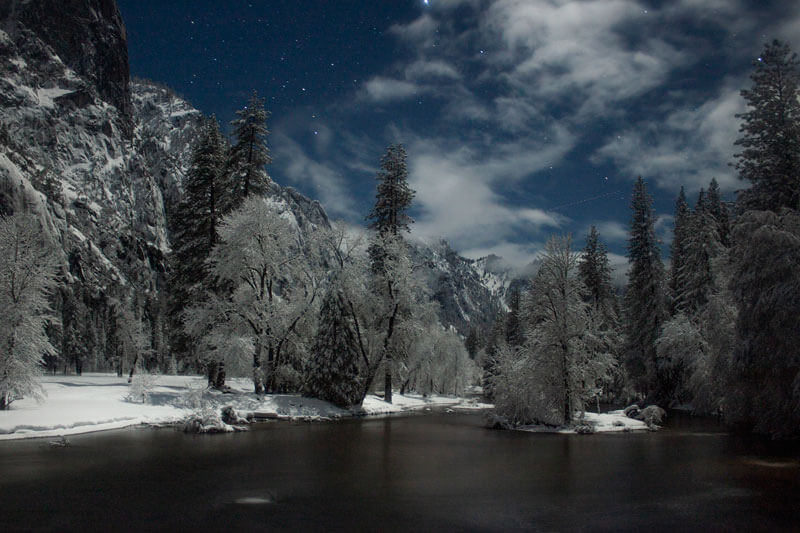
pixel 249 155
pixel 514 333
pixel 595 273
pixel 770 156
pixel 762 393
pixel 680 235
pixel 702 246
pixel 393 197
pixel 645 310
pixel 27 268
pixel 495 341
pixel 194 233
pixel 682 362
pixel 473 342
pixel 719 212
pixel 332 372
pixel 389 218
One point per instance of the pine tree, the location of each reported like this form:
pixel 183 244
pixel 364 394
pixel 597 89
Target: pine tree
pixel 394 196
pixel 333 368
pixel 514 333
pixel 702 246
pixel 595 273
pixel 719 212
pixel 194 229
pixel 472 342
pixel 770 156
pixel 249 155
pixel 495 342
pixel 762 390
pixel 680 235
pixel 389 217
pixel 644 299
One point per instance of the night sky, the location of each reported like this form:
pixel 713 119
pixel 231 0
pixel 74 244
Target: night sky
pixel 522 118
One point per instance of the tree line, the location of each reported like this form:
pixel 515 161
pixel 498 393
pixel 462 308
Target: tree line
pixel 325 311
pixel 715 332
pixel 317 309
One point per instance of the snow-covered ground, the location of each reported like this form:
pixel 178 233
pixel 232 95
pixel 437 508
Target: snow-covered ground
pixel 96 402
pixel 611 422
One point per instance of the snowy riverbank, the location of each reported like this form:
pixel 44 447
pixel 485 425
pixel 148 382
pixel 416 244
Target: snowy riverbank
pixel 98 402
pixel 611 422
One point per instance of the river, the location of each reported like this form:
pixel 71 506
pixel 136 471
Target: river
pixel 431 472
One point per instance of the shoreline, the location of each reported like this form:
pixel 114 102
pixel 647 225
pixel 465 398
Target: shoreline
pixel 75 405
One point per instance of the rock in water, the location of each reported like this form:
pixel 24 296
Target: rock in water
pixel 62 442
pixel 652 415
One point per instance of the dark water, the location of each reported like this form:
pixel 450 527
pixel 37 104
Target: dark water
pixel 437 472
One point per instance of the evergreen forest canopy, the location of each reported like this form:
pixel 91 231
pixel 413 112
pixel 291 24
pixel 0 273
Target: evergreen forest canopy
pixel 324 311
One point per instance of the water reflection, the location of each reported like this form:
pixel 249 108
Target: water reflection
pixel 436 471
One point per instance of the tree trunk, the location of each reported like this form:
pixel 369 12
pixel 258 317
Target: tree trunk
pixel 211 373
pixel 567 410
pixel 219 383
pixel 271 380
pixel 133 368
pixel 4 402
pixel 258 375
pixel 404 386
pixel 387 380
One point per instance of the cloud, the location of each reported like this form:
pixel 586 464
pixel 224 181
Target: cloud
pixel 417 33
pixel 329 186
pixel 663 228
pixel 610 231
pixel 579 53
pixel 381 89
pixel 518 255
pixel 457 198
pixel 619 269
pixel 513 88
pixel 687 147
pixel 431 70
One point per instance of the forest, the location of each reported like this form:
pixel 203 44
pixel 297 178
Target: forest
pixel 335 312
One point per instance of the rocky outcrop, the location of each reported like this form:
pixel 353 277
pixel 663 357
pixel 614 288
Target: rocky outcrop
pixel 88 36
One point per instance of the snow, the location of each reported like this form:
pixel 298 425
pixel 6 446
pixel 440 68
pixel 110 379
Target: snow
pixel 611 422
pixel 46 96
pixel 97 402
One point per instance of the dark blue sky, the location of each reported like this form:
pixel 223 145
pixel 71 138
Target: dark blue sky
pixel 522 118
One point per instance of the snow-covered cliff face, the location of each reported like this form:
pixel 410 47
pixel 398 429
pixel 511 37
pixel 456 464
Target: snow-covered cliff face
pixel 72 147
pixel 470 295
pixel 496 274
pixel 87 35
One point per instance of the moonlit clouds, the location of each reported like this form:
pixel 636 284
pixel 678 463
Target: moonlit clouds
pixel 455 199
pixel 688 146
pixel 517 91
pixel 577 51
pixel 381 89
pixel 329 185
